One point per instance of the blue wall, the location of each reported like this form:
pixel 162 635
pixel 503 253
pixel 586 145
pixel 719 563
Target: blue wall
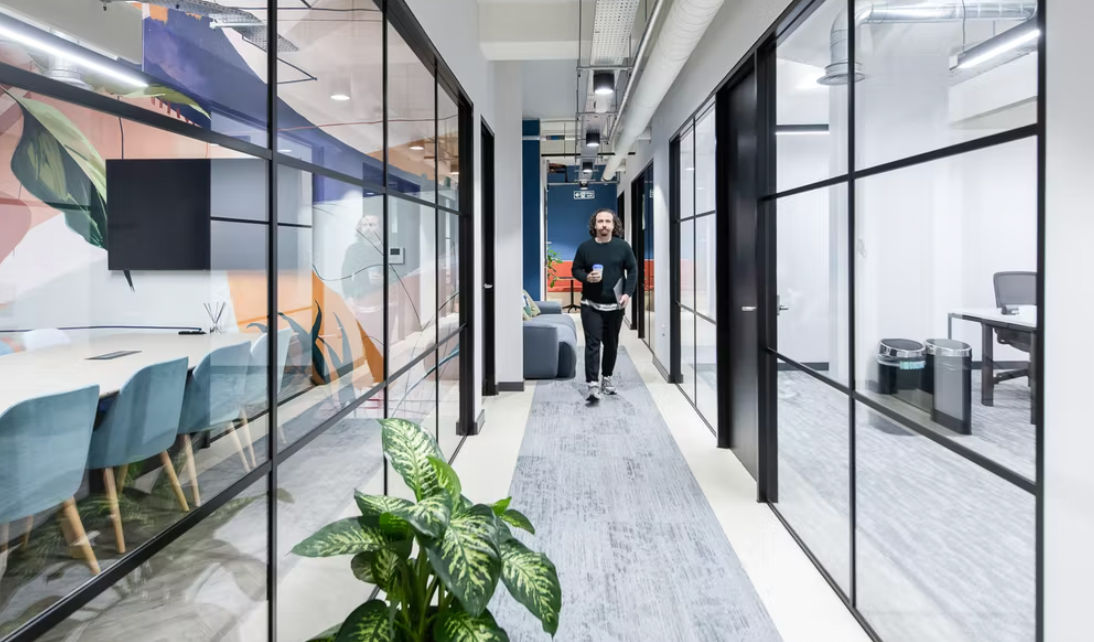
pixel 568 218
pixel 532 226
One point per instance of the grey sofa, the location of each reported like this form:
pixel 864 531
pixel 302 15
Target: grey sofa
pixel 550 344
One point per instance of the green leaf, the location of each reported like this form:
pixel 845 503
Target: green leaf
pixel 372 506
pixel 516 518
pixel 378 567
pixel 328 635
pixel 457 625
pixel 446 477
pixel 467 559
pixel 428 517
pixel 409 449
pixel 370 622
pixel 344 537
pixel 500 506
pixel 60 166
pixel 532 579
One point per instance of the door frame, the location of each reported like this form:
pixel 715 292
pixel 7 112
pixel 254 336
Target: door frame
pixel 638 245
pixel 489 266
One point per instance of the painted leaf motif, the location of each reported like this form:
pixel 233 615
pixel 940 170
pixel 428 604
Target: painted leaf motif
pixel 467 559
pixel 428 517
pixel 345 537
pixel 168 95
pixel 516 518
pixel 370 622
pixel 58 164
pixel 499 506
pixel 409 449
pixel 446 477
pixel 457 625
pixel 532 579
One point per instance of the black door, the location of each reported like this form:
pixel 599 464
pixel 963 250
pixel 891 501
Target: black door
pixel 638 239
pixel 489 364
pixel 738 296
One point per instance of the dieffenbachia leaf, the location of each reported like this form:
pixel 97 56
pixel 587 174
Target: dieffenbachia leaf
pixel 370 622
pixel 377 567
pixel 345 537
pixel 457 625
pixel 372 506
pixel 56 163
pixel 428 517
pixel 446 477
pixel 532 579
pixel 516 518
pixel 500 506
pixel 466 558
pixel 328 635
pixel 409 449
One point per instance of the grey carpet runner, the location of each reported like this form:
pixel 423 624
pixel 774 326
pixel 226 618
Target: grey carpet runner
pixel 640 553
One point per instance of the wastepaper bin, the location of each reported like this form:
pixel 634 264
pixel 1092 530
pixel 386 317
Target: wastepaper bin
pixel 900 364
pixel 947 377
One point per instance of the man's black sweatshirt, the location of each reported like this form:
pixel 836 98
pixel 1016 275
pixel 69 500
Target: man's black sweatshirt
pixel 618 260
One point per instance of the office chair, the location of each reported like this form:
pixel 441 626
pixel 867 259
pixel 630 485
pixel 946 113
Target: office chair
pixel 1015 288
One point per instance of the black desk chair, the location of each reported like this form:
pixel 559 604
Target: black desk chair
pixel 1015 288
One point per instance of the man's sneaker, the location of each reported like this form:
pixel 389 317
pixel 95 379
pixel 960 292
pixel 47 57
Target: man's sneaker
pixel 607 387
pixel 594 392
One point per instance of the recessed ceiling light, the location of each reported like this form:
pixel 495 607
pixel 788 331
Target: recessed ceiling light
pixel 340 97
pixel 689 169
pixel 417 147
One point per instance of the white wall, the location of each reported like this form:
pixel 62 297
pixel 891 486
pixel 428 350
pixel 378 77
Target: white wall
pixel 1069 271
pixel 508 220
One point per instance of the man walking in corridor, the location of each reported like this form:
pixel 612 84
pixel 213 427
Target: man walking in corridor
pixel 608 272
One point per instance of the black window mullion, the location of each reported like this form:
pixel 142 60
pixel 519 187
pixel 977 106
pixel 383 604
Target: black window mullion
pixel 851 380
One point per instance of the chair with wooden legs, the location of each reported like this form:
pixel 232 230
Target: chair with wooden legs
pixel 44 443
pixel 254 391
pixel 213 399
pixel 142 422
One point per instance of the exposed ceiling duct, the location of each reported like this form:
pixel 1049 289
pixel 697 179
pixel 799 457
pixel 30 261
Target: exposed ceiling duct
pixel 684 26
pixel 837 72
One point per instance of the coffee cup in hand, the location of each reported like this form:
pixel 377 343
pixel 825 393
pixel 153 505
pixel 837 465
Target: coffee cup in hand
pixel 597 273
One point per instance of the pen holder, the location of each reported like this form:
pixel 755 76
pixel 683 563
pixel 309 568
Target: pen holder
pixel 215 309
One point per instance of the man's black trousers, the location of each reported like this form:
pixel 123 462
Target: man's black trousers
pixel 601 328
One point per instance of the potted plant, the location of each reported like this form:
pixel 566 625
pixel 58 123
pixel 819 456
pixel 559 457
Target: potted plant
pixel 553 261
pixel 438 559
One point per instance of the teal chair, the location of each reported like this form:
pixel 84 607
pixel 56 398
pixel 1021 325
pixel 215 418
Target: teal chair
pixel 44 443
pixel 213 400
pixel 254 393
pixel 142 421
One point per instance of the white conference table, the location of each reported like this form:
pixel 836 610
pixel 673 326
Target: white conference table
pixel 990 320
pixel 24 375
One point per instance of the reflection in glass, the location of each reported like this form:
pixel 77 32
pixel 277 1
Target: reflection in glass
pixel 448 409
pixel 413 396
pixel 687 173
pixel 330 86
pixel 931 240
pixel 706 370
pixel 811 275
pixel 814 468
pixel 931 82
pixel 811 111
pixel 169 418
pixel 331 293
pixel 412 145
pixel 412 281
pixel 705 266
pixel 134 51
pixel 687 263
pixel 945 548
pixel 448 150
pixel 449 273
pixel 705 163
pixel 208 584
pixel 687 353
pixel 350 456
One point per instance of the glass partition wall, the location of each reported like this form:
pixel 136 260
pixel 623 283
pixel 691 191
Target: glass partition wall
pixel 903 221
pixel 218 268
pixel 901 209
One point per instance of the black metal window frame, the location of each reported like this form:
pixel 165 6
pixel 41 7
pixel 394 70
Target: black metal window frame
pixel 761 57
pixel 398 15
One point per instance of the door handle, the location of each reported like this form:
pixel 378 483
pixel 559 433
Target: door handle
pixel 748 308
pixel 488 286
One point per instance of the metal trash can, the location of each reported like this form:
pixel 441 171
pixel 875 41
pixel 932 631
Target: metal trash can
pixel 948 379
pixel 900 364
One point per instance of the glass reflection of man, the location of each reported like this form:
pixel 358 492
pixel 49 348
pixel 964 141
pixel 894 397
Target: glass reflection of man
pixel 363 271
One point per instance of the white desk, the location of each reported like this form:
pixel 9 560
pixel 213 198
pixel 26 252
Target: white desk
pixel 990 320
pixel 66 367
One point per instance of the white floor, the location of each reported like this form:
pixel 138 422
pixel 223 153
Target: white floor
pixel 800 602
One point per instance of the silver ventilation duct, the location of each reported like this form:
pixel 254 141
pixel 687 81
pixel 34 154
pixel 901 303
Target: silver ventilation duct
pixel 839 69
